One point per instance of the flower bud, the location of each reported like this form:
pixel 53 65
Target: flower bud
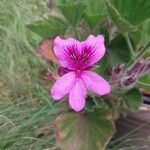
pixel 148 67
pixel 136 67
pixel 61 71
pixel 145 68
pixel 118 69
pixel 127 81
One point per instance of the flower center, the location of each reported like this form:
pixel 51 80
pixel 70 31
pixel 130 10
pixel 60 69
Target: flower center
pixel 79 58
pixel 78 73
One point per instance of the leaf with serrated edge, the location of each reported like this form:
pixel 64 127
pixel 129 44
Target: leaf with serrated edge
pixel 94 13
pixel 72 12
pixel 49 27
pixel 123 25
pixel 133 11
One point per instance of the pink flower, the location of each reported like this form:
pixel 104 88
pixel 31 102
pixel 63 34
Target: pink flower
pixel 78 57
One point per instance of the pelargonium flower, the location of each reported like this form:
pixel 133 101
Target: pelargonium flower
pixel 78 57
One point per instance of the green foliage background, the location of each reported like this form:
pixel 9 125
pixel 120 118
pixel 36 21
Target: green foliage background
pixel 26 110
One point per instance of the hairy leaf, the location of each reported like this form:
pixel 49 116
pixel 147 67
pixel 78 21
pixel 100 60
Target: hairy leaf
pixel 142 35
pixel 118 50
pixel 72 11
pixel 122 24
pixel 88 131
pixel 94 13
pixel 48 28
pixel 134 11
pixel 144 81
pixel 133 98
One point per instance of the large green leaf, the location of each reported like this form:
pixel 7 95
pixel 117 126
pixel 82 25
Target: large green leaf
pixel 145 32
pixel 126 13
pixel 72 11
pixel 122 24
pixel 118 51
pixel 142 35
pixel 48 28
pixel 94 13
pixel 87 131
pixel 133 98
pixel 134 11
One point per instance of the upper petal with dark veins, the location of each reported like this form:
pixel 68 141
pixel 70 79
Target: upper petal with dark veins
pixel 76 55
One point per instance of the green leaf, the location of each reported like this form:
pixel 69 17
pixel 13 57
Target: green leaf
pixel 144 81
pixel 102 66
pixel 134 11
pixel 48 28
pixel 145 32
pixel 121 23
pixel 90 104
pixel 118 51
pixel 94 19
pixel 136 36
pixel 88 131
pixel 94 13
pixel 72 11
pixel 105 32
pixel 93 103
pixel 99 102
pixel 133 98
pixel 142 36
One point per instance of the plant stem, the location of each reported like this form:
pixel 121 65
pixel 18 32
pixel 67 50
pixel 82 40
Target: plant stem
pixel 143 50
pixel 130 46
pixel 76 33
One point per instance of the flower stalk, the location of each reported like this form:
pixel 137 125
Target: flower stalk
pixel 130 46
pixel 142 51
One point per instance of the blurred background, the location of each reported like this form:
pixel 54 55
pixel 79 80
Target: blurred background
pixel 25 107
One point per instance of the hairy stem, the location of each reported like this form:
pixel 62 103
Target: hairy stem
pixel 143 50
pixel 76 33
pixel 129 46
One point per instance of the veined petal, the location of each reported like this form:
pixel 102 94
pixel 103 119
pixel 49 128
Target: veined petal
pixel 96 83
pixel 98 48
pixel 77 95
pixel 61 50
pixel 63 85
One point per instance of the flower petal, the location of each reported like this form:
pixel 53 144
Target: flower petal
pixel 63 85
pixel 77 95
pixel 60 50
pixel 96 83
pixel 97 43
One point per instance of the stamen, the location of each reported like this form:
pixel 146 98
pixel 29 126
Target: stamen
pixel 79 58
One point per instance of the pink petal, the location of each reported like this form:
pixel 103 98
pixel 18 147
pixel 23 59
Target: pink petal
pixel 96 83
pixel 60 47
pixel 97 42
pixel 77 95
pixel 63 85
